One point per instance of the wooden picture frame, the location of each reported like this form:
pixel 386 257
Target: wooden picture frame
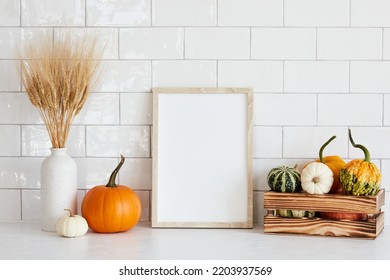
pixel 202 158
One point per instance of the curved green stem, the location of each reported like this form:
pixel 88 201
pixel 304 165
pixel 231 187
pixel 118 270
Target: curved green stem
pixel 111 182
pixel 323 147
pixel 364 149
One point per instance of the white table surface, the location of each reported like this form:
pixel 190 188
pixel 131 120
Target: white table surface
pixel 25 241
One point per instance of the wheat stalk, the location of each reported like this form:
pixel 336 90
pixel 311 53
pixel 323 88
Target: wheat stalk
pixel 58 76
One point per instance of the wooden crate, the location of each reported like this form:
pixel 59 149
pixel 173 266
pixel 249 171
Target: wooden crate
pixel 370 205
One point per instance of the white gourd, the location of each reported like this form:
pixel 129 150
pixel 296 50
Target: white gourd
pixel 317 178
pixel 71 225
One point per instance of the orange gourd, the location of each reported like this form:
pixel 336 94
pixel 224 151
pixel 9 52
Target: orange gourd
pixel 360 176
pixel 111 208
pixel 335 163
pixel 343 216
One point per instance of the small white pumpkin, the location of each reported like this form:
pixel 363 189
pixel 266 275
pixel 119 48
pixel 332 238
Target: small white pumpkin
pixel 317 178
pixel 71 225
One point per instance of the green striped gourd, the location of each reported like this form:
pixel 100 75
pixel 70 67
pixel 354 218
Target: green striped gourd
pixel 284 179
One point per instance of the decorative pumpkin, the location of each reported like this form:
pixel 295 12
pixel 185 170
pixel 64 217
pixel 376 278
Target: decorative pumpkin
pixel 295 213
pixel 335 163
pixel 344 216
pixel 111 208
pixel 316 178
pixel 360 176
pixel 71 225
pixel 284 179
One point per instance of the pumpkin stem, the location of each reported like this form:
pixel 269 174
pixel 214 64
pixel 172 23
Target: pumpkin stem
pixel 316 180
pixel 111 182
pixel 359 146
pixel 323 147
pixel 70 212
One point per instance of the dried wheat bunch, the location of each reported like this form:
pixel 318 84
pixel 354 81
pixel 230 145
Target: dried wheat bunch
pixel 58 75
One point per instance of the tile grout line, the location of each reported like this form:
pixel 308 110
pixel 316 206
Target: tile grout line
pixel 350 13
pixel 216 72
pixel 85 13
pixel 21 204
pixel 349 77
pixel 317 96
pixel 316 29
pixel 119 108
pixel 283 76
pixel 20 140
pixel 217 14
pixel 118 47
pixel 383 95
pixel 20 13
pixel 195 26
pixel 151 13
pixel 383 43
pixel 85 141
pixel 184 43
pixel 213 59
pixel 250 44
pixel 383 110
pixel 282 152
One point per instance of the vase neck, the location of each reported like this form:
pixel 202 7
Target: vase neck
pixel 58 151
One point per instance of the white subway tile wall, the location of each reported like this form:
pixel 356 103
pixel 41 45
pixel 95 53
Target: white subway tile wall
pixel 125 76
pixel 270 146
pixel 362 109
pixel 108 38
pixel 316 76
pixel 53 13
pixel 10 140
pixel 184 73
pixel 261 76
pixel 283 43
pixel 184 12
pixel 151 43
pixel 317 13
pixel 317 68
pixel 94 171
pixel 16 108
pixel 305 142
pixel 370 13
pixel 250 13
pixel 217 43
pixel 35 141
pixel 10 80
pixel 10 206
pixel 285 109
pixel 349 43
pixel 10 13
pixel 370 77
pixel 100 108
pixel 386 174
pixel 117 13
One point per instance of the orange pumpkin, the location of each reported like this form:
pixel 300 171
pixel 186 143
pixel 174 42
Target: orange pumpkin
pixel 335 163
pixel 344 216
pixel 111 208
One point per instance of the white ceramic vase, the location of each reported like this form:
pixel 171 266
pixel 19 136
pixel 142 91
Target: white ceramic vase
pixel 58 187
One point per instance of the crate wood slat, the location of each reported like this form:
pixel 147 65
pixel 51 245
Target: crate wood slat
pixel 325 203
pixel 340 228
pixel 370 205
